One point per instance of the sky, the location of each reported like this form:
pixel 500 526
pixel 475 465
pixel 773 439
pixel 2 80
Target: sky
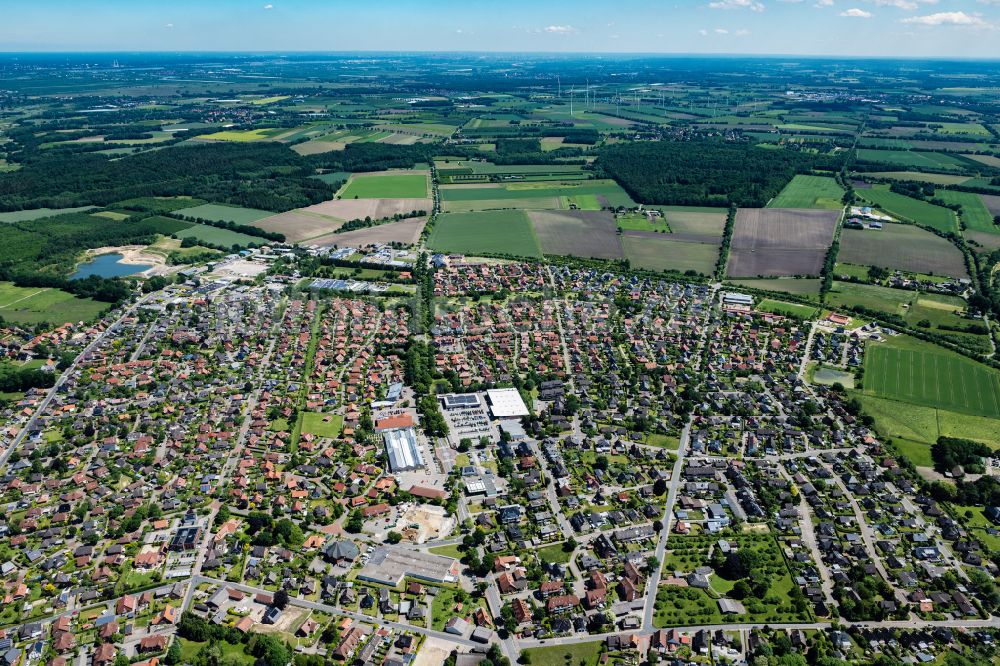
pixel 904 28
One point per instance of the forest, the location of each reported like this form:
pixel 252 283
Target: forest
pixel 265 176
pixel 705 173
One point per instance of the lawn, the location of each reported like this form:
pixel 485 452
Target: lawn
pixel 495 232
pixel 401 186
pixel 571 654
pixel 447 551
pixel 322 425
pixel 220 213
pixel 216 236
pixel 444 604
pixel 911 210
pixel 917 372
pixel 33 305
pixel 232 653
pixel 810 192
pixel 554 554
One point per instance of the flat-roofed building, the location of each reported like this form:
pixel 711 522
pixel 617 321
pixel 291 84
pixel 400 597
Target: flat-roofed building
pixel 506 403
pixel 389 565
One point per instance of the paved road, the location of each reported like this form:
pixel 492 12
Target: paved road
pixel 63 378
pixel 336 610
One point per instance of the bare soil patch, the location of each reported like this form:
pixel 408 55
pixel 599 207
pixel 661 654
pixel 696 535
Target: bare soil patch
pixel 404 231
pixel 353 209
pixel 578 233
pixel 771 242
pixel 298 225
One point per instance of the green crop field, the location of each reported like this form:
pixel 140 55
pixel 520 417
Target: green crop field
pixel 242 136
pixel 39 213
pixel 32 305
pixel 217 236
pixel 800 286
pixel 912 210
pixel 220 213
pixel 923 425
pixel 910 158
pixel 401 186
pixel 975 214
pixel 496 232
pixel 607 192
pixel 661 253
pixel 923 374
pixel 810 192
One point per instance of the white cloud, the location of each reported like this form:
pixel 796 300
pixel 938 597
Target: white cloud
pixel 703 32
pixel 824 3
pixel 753 5
pixel 946 18
pixel 169 25
pixel 856 13
pixel 560 29
pixel 268 6
pixel 721 31
pixel 909 5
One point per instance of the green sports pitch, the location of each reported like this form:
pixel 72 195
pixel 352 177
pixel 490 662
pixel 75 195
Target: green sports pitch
pixel 922 376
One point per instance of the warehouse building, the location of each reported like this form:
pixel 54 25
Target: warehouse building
pixel 402 450
pixel 389 565
pixel 506 403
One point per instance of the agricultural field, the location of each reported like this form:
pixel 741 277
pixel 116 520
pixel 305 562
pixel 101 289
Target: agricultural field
pixel 920 177
pixel 903 247
pixel 771 242
pixel 216 236
pixel 808 287
pixel 497 232
pixel 405 231
pixel 242 136
pixel 577 233
pixel 299 225
pixel 388 185
pixel 923 425
pixel 221 213
pixel 33 305
pixel 359 209
pixel 910 209
pixel 911 158
pixel 39 213
pixel 664 252
pixel 821 192
pixel 696 222
pixel 975 215
pixel 992 202
pixel 912 371
pixel 537 195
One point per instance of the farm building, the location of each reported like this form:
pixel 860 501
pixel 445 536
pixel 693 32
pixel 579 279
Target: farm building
pixel 401 447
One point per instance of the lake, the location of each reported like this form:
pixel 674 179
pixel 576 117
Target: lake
pixel 108 266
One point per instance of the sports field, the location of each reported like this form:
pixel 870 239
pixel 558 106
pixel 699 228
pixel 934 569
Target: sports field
pixel 810 192
pixel 912 210
pixel 389 186
pixel 496 232
pixel 920 373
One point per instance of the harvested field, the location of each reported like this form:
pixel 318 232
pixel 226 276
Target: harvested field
pixel 404 231
pixel 987 240
pixel 780 241
pixel 318 147
pixel 355 209
pixel 298 225
pixel 992 202
pixel 904 247
pixel 577 233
